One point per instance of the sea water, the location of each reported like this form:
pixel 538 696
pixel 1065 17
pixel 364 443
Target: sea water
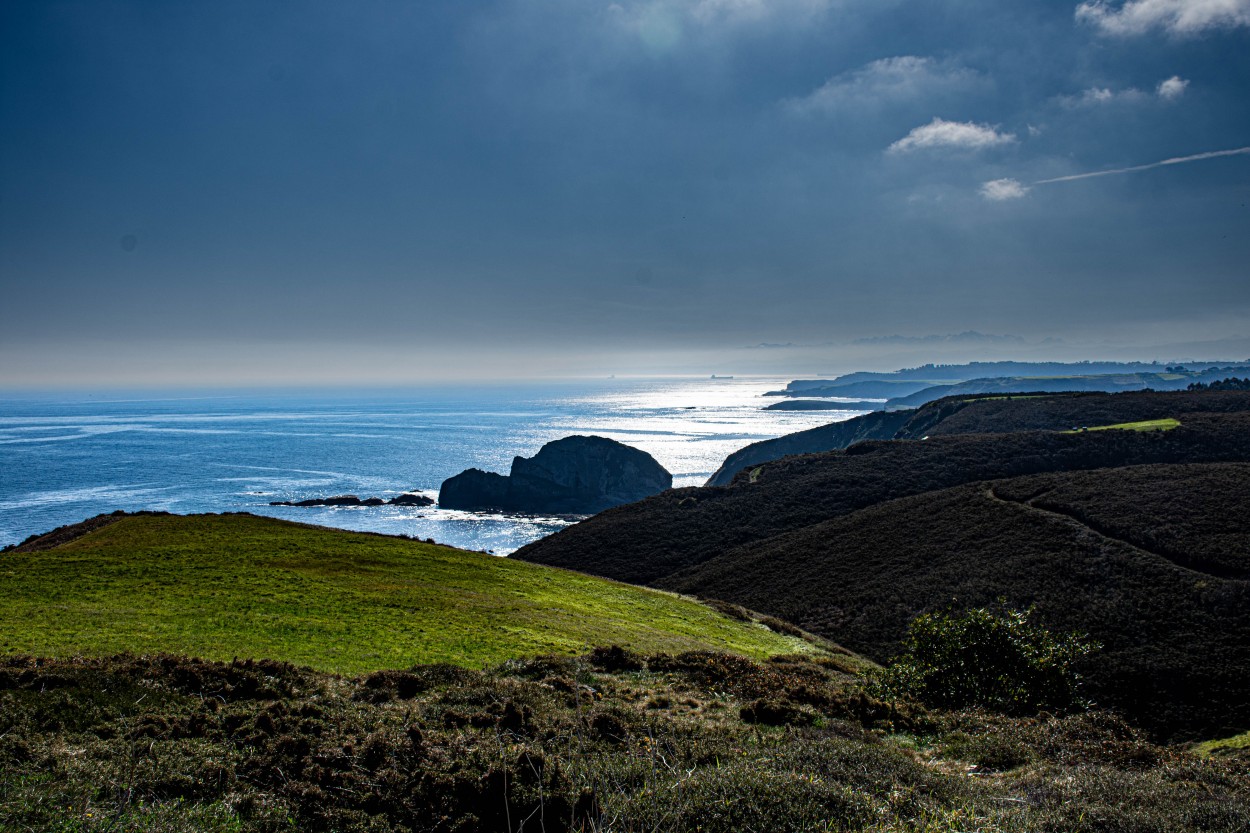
pixel 65 457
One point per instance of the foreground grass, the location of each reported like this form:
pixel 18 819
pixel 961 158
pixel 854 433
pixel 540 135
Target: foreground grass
pixel 608 742
pixel 224 586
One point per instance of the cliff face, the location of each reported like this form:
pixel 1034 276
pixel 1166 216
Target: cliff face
pixel 574 475
pixel 879 425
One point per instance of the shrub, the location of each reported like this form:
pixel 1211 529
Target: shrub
pixel 781 626
pixel 982 658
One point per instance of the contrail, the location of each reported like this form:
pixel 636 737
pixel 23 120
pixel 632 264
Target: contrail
pixel 1176 160
pixel 1006 189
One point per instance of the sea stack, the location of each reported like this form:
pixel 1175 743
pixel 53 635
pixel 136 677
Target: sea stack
pixel 575 475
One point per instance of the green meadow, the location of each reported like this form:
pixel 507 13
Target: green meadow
pixel 226 586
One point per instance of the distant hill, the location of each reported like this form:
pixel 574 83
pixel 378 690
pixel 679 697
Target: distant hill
pixel 1110 383
pixel 949 374
pixel 223 586
pixel 874 388
pixel 824 405
pixel 916 386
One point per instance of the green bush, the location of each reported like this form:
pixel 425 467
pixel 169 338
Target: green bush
pixel 982 658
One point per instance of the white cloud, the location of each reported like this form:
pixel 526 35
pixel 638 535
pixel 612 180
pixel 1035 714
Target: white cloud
pixel 1136 17
pixel 1169 90
pixel 668 25
pixel 708 11
pixel 1173 88
pixel 1101 96
pixel 899 78
pixel 999 190
pixel 940 133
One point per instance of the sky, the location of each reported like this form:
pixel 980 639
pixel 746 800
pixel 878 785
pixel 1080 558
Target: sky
pixel 304 192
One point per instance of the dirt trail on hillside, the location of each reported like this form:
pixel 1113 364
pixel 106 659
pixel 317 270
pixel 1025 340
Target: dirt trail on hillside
pixel 1094 529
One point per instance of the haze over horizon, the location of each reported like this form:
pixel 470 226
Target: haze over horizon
pixel 237 193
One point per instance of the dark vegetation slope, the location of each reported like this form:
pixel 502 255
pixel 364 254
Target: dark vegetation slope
pixel 1152 561
pixel 879 425
pixel 1078 410
pixel 611 741
pixel 643 542
pixel 985 414
pixel 852 544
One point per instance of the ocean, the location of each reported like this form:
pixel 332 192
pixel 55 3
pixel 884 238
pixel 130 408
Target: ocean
pixel 66 456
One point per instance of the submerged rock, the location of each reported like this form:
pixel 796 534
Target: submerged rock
pixel 575 475
pixel 406 499
pixel 411 499
pixel 336 500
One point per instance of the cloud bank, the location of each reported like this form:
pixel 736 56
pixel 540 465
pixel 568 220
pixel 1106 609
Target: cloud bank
pixel 556 182
pixel 1183 17
pixel 901 78
pixel 1169 89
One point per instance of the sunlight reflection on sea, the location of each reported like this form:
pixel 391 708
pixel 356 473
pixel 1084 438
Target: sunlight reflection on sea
pixel 65 457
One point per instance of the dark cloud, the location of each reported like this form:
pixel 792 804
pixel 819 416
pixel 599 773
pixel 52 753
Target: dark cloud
pixel 612 179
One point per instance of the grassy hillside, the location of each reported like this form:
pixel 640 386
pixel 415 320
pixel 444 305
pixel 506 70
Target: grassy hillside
pixel 646 541
pixel 223 586
pixel 1151 561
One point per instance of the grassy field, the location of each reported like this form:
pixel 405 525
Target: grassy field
pixel 224 586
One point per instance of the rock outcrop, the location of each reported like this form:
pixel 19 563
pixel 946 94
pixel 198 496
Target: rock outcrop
pixel 575 475
pixel 475 489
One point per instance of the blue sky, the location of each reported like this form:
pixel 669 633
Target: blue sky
pixel 389 191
